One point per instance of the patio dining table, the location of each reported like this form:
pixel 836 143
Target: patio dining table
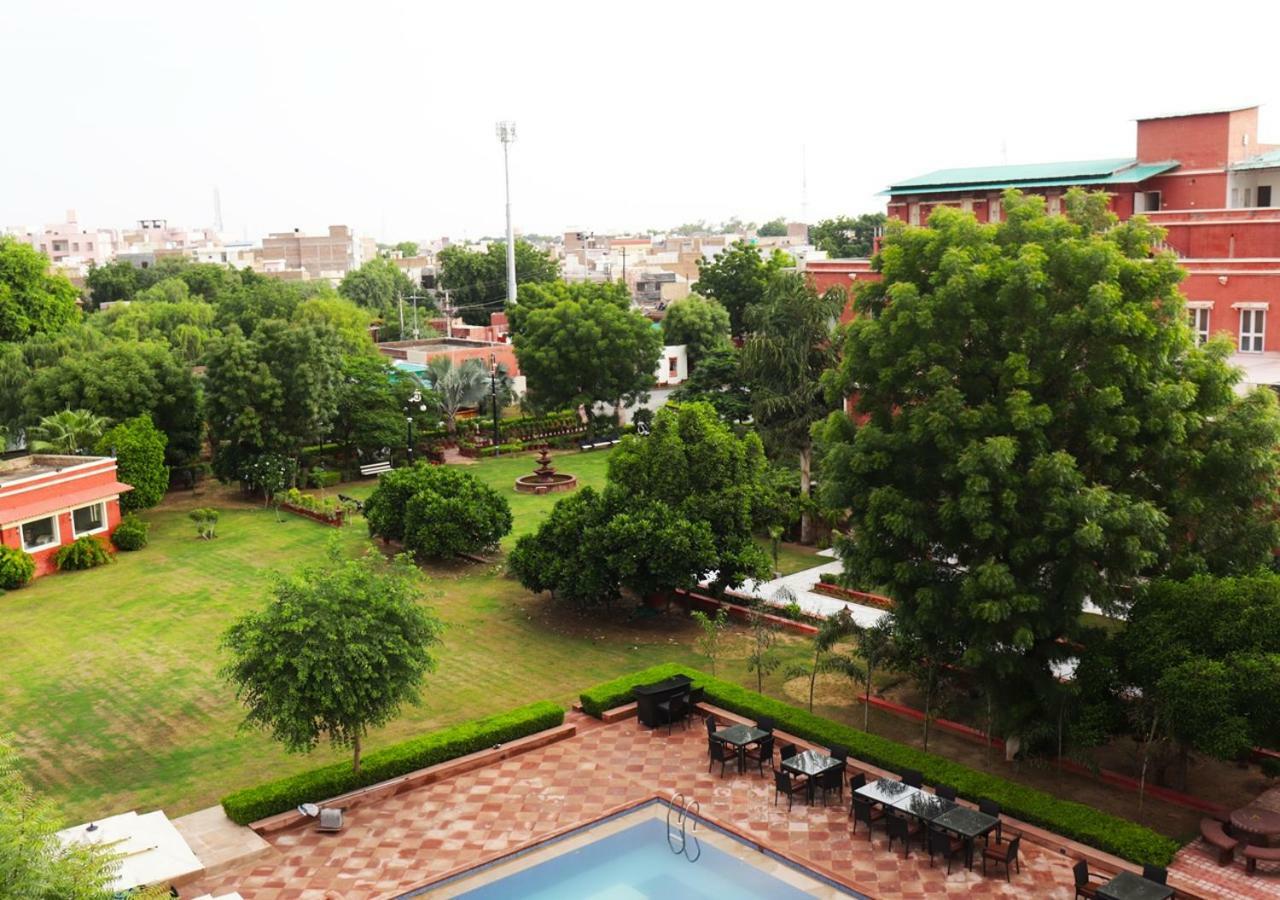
pixel 886 791
pixel 811 764
pixel 1128 886
pixel 740 737
pixel 969 824
pixel 1255 824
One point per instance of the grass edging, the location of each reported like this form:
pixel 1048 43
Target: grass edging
pixel 1124 838
pixel 252 804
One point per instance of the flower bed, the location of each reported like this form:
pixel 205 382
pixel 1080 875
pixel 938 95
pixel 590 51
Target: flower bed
pixel 860 597
pixel 1113 834
pixel 252 804
pixel 328 511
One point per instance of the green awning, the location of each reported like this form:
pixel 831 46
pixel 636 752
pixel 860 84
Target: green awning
pixel 997 178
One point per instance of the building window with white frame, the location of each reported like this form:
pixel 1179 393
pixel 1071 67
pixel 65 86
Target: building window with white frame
pixel 88 519
pixel 40 534
pixel 1200 323
pixel 1253 325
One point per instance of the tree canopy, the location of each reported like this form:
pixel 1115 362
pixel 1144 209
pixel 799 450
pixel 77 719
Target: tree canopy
pixel 477 280
pixel 700 324
pixel 437 511
pixel 847 237
pixel 338 650
pixel 773 228
pixel 1034 417
pixel 139 450
pixel 33 300
pixel 736 278
pixel 717 380
pixel 379 286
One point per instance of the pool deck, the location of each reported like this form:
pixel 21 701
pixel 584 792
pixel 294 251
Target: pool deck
pixel 401 842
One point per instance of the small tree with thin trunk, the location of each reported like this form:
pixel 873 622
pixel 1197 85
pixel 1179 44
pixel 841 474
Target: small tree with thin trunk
pixel 834 630
pixel 337 651
pixel 764 637
pixel 711 640
pixel 875 648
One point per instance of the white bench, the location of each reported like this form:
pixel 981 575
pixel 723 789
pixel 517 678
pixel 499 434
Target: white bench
pixel 376 468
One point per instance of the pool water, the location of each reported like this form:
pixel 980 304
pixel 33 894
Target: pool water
pixel 639 862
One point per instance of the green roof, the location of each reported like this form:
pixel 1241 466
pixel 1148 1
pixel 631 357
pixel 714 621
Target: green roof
pixel 1265 161
pixel 1124 170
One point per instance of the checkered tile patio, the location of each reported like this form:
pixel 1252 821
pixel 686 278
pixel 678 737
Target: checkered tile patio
pixel 404 841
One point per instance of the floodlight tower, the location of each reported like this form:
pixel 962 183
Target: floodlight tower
pixel 507 134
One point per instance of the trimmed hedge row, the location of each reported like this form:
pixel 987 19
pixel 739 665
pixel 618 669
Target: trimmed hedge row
pixel 1113 834
pixel 251 804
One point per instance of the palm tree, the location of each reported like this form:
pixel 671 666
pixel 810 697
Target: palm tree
pixel 458 386
pixel 70 431
pixel 788 349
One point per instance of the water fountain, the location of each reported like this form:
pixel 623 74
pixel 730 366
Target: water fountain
pixel 545 479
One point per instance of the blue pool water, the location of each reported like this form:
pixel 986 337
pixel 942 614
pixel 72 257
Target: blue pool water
pixel 637 862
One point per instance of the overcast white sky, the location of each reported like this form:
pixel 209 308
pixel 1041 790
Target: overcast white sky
pixel 381 115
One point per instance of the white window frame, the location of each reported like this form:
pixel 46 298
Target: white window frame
pixel 1200 317
pixel 37 548
pixel 1257 335
pixel 102 507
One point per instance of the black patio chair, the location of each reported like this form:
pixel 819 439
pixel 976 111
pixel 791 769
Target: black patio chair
pixel 865 811
pixel 1085 890
pixel 1158 874
pixel 711 725
pixel 1008 854
pixel 720 752
pixel 696 696
pixel 786 783
pixel 991 808
pixel 912 778
pixel 765 723
pixel 946 844
pixel 901 829
pixel 675 710
pixel 828 781
pixel 840 752
pixel 761 752
pixel 946 792
pixel 786 751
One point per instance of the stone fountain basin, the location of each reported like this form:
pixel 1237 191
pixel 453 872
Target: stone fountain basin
pixel 537 484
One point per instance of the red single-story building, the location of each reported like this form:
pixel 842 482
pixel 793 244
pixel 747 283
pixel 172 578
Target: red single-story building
pixel 47 501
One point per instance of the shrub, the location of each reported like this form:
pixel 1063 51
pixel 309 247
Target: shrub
pixel 17 567
pixel 437 511
pixel 1113 834
pixel 131 533
pixel 139 449
pixel 206 519
pixel 251 804
pixel 324 478
pixel 82 553
pixel 1271 767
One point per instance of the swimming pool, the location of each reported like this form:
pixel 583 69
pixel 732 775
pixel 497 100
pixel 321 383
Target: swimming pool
pixel 635 856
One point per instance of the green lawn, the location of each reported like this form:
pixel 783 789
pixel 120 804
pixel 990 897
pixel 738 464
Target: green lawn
pixel 110 689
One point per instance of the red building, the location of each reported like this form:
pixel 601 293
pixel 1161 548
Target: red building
pixel 1203 177
pixel 48 501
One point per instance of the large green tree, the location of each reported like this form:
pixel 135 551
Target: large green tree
pixel 437 511
pixel 33 300
pixel 348 321
pixel 477 280
pixel 700 324
pixel 1033 412
pixel 847 237
pixel 546 294
pixel 789 348
pixel 587 352
pixel 338 650
pixel 773 228
pixel 718 380
pixel 380 286
pixel 736 279
pixel 369 411
pixel 139 450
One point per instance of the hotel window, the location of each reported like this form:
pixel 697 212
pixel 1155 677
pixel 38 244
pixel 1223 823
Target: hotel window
pixel 40 534
pixel 1200 323
pixel 1253 324
pixel 1264 195
pixel 88 519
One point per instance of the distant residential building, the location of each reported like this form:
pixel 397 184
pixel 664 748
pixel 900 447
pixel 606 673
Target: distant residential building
pixel 297 256
pixel 69 246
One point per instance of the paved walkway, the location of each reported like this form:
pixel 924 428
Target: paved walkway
pixel 800 584
pixel 404 841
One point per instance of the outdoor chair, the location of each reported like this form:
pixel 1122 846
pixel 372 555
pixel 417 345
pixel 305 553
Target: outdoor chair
pixel 786 751
pixel 1008 854
pixel 719 752
pixel 711 725
pixel 902 829
pixel 946 792
pixel 857 781
pixel 765 723
pixel 840 752
pixel 992 808
pixel 948 846
pixel 786 783
pixel 1158 874
pixel 865 811
pixel 1084 889
pixel 696 696
pixel 912 778
pixel 828 781
pixel 761 752
pixel 675 710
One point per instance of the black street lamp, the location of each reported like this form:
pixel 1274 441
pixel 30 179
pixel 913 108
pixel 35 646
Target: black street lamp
pixel 493 399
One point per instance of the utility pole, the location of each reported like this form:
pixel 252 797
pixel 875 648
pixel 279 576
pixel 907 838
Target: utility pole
pixel 507 134
pixel 400 304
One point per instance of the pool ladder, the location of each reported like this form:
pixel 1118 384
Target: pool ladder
pixel 680 832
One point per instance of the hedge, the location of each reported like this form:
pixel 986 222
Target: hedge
pixel 1125 839
pixel 251 804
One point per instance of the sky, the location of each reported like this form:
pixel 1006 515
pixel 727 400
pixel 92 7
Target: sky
pixel 381 115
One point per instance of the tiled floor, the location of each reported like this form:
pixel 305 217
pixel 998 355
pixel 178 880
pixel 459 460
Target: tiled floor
pixel 1198 863
pixel 407 840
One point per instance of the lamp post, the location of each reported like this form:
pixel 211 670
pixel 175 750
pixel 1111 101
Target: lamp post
pixel 493 400
pixel 506 132
pixel 415 400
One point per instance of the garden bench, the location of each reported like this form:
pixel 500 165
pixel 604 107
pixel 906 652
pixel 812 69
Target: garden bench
pixel 1212 832
pixel 1253 853
pixel 597 443
pixel 376 468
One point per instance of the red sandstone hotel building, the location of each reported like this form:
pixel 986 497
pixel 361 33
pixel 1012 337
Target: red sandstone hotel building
pixel 1203 177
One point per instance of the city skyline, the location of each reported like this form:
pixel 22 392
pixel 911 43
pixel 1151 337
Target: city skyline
pixel 386 123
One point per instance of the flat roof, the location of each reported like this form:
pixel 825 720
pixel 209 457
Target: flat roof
pixel 1216 111
pixel 1124 170
pixel 40 464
